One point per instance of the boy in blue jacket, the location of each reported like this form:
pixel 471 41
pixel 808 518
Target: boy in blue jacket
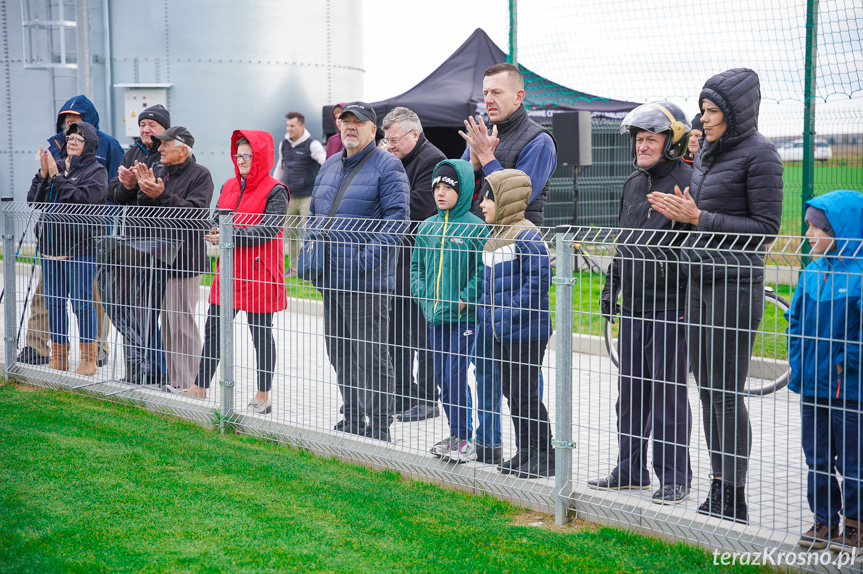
pixel 824 348
pixel 446 273
pixel 515 308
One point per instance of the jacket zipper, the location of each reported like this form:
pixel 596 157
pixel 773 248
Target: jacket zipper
pixel 440 264
pixel 649 185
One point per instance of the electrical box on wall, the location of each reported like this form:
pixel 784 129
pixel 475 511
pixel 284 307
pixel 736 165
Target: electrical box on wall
pixel 138 97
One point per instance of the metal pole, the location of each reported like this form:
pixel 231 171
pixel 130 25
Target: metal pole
pixel 9 285
pixel 564 281
pixel 512 57
pixel 82 41
pixel 810 78
pixel 226 315
pixel 109 69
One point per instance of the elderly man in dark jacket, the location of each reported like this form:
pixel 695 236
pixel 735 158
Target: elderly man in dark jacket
pixel 735 204
pixel 178 182
pixel 408 329
pixel 359 211
pixel 652 396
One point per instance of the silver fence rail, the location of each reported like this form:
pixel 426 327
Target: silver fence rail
pixel 396 346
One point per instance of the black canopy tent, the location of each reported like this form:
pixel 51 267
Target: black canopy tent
pixel 453 92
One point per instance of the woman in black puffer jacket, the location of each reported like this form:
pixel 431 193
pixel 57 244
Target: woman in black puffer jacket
pixel 735 207
pixel 66 240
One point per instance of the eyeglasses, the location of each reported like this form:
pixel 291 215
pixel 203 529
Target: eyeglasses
pixel 243 156
pixel 395 141
pixel 76 139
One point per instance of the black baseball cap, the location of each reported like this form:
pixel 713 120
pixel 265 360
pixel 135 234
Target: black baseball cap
pixel 362 110
pixel 178 133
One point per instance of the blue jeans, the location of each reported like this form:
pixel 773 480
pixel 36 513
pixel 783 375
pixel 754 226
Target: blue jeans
pixel 451 345
pixel 488 391
pixel 831 440
pixel 69 279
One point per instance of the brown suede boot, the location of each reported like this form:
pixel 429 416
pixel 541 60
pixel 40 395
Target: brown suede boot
pixel 89 354
pixel 59 357
pixel 849 539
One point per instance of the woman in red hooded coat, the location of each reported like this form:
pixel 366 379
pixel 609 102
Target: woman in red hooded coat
pixel 260 205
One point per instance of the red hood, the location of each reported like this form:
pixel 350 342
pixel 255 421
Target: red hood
pixel 262 155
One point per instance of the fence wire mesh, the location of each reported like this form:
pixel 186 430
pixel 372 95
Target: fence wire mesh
pixel 596 396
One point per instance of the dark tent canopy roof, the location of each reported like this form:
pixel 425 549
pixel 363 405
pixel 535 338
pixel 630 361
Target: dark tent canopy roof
pixel 454 90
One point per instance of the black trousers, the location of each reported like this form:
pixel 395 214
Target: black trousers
pixel 519 364
pixel 261 328
pixel 408 335
pixel 653 399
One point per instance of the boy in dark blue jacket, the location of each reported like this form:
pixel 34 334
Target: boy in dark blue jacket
pixel 515 308
pixel 824 348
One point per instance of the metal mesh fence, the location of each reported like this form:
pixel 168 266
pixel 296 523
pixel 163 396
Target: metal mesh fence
pixel 667 50
pixel 330 378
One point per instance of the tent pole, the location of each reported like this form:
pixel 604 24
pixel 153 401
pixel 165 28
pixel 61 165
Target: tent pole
pixel 512 57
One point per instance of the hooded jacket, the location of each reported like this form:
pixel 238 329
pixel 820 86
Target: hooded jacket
pixel 334 143
pixel 357 249
pixel 259 266
pixel 65 229
pixel 737 185
pixel 646 266
pixel 109 153
pixel 826 315
pixel 516 272
pixel 446 264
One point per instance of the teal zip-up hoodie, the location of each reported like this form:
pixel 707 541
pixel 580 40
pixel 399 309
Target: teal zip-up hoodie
pixel 446 265
pixel 825 321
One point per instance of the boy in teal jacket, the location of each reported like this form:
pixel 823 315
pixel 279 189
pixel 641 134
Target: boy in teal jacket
pixel 446 275
pixel 825 322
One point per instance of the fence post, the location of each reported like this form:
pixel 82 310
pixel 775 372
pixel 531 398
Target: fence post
pixel 226 316
pixel 564 281
pixel 11 347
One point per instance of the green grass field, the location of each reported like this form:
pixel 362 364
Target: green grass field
pixel 836 174
pixel 88 486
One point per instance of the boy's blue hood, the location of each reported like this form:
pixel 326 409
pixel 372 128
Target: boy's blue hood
pixel 81 105
pixel 844 211
pixel 464 171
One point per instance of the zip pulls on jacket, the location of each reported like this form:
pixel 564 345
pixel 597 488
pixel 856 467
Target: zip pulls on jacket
pixel 440 264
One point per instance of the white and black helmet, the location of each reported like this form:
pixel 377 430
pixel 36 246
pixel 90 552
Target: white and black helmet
pixel 659 117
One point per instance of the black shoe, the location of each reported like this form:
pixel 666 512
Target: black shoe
pixel 521 457
pixel 540 464
pixel 419 412
pixel 819 536
pixel 612 482
pixel 671 494
pixel 734 503
pixel 29 356
pixel 378 433
pixel 352 427
pixel 488 454
pixel 102 358
pixel 713 504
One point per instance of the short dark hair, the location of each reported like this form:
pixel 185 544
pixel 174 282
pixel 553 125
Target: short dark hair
pixel 242 141
pixel 296 116
pixel 505 67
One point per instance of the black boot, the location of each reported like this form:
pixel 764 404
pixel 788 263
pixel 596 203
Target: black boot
pixel 539 465
pixel 734 503
pixel 520 459
pixel 713 504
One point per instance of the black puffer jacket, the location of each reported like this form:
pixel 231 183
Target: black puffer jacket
pixel 646 266
pixel 65 227
pixel 737 185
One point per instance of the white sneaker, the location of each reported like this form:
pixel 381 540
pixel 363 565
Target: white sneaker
pixel 445 447
pixel 465 452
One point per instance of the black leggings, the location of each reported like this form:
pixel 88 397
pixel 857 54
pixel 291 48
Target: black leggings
pixel 261 327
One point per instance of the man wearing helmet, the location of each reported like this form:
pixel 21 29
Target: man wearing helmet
pixel 652 384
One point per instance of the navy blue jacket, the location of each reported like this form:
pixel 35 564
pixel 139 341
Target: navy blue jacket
pixel 109 153
pixel 357 249
pixel 826 315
